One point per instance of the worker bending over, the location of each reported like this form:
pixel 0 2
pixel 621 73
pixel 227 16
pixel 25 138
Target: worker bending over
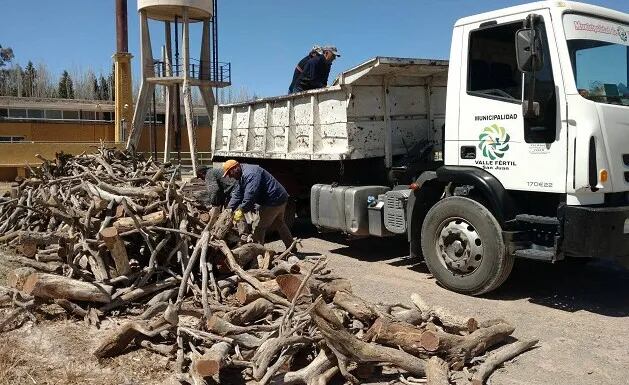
pixel 255 185
pixel 317 70
pixel 299 68
pixel 219 188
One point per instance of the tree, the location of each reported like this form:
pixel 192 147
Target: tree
pixel 103 88
pixel 66 88
pixel 112 83
pixel 6 55
pixel 29 80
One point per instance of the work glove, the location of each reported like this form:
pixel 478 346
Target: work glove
pixel 238 215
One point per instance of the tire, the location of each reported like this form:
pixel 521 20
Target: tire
pixel 463 246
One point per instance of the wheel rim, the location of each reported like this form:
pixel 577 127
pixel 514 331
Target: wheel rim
pixel 459 246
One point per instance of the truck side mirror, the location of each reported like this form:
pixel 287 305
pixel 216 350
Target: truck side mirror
pixel 529 50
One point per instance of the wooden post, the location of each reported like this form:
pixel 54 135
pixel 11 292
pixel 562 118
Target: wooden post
pixel 117 249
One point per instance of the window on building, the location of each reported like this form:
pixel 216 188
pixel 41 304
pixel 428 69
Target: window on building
pixel 88 115
pixel 70 115
pixel 4 113
pixel 492 64
pixel 107 116
pixel 17 113
pixel 36 114
pixel 11 139
pixel 53 114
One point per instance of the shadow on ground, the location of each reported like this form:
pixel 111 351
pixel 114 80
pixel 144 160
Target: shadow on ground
pixel 598 287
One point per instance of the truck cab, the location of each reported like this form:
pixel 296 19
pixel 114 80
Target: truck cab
pixel 536 152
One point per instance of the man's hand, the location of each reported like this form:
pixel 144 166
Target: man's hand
pixel 238 215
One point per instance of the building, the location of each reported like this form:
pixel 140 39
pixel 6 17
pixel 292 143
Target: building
pixel 30 126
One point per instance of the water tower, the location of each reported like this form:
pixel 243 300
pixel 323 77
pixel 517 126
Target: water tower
pixel 178 73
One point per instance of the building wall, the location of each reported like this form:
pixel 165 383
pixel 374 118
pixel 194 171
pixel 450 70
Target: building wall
pixel 93 132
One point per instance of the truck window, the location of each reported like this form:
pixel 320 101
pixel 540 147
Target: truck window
pixel 492 66
pixel 543 128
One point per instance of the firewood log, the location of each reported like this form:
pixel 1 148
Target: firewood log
pixel 211 363
pixel 246 293
pixel 459 350
pixel 355 306
pixel 397 334
pixel 250 312
pixel 453 323
pixel 116 342
pixel 244 255
pixel 437 372
pixel 16 278
pixel 498 357
pixel 117 249
pixel 318 372
pixel 51 286
pixel 348 347
pixel 153 219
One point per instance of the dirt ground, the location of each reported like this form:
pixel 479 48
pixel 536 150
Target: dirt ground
pixel 580 313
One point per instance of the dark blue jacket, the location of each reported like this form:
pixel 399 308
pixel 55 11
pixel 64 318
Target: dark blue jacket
pixel 315 74
pixel 298 70
pixel 257 186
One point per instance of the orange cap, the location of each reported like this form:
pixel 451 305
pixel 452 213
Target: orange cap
pixel 228 165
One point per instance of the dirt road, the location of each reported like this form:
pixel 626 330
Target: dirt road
pixel 580 313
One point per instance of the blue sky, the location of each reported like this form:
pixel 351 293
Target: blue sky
pixel 263 39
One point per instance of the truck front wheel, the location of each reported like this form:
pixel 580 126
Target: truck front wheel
pixel 463 247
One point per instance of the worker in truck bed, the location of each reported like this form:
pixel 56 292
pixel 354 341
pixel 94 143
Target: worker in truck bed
pixel 254 186
pixel 317 70
pixel 299 68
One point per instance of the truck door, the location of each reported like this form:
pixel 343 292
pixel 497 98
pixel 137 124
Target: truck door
pixel 522 153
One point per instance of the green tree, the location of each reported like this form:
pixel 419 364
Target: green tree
pixel 29 80
pixel 66 88
pixel 112 83
pixel 103 88
pixel 6 55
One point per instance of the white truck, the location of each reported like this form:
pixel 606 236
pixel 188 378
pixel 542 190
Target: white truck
pixel 516 147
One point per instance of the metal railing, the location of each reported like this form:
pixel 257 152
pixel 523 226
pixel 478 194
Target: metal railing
pixel 216 72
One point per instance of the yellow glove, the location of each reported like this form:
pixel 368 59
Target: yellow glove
pixel 238 215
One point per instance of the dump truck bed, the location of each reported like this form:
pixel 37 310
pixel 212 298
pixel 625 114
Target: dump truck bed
pixel 380 108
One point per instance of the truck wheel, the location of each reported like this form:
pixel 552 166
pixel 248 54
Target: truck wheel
pixel 463 246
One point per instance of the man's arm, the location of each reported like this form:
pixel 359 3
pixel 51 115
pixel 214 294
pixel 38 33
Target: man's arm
pixel 236 197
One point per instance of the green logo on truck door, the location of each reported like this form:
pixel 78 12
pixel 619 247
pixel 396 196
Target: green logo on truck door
pixel 493 141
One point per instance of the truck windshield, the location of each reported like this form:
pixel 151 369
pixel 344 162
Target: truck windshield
pixel 599 51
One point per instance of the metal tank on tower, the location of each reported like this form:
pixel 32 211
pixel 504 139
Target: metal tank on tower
pixel 178 73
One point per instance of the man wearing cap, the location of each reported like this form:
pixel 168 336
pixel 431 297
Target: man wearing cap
pixel 316 51
pixel 317 70
pixel 219 188
pixel 257 186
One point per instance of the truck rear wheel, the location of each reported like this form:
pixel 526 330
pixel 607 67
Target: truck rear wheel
pixel 463 246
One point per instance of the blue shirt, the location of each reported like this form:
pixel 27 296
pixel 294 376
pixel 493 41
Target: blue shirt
pixel 256 186
pixel 315 74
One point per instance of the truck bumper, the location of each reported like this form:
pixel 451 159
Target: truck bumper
pixel 600 232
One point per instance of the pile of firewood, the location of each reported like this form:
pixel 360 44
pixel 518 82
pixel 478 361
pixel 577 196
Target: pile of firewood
pixel 112 234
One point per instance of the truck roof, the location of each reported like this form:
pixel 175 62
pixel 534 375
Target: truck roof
pixel 572 6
